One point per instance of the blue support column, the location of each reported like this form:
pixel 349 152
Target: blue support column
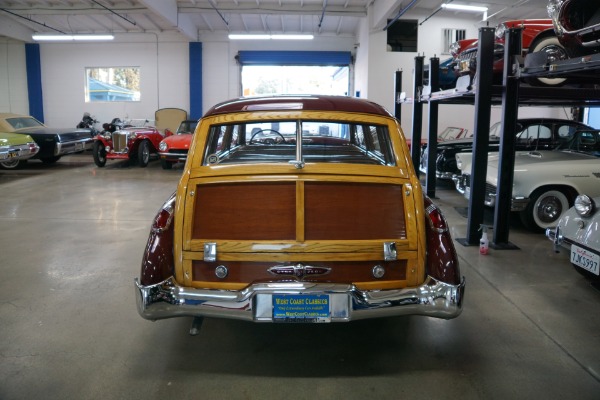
pixel 195 68
pixel 34 80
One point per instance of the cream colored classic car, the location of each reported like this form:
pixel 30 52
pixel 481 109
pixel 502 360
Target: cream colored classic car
pixel 299 209
pixel 545 183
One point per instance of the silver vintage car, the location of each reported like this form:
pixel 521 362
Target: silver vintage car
pixel 545 183
pixel 578 231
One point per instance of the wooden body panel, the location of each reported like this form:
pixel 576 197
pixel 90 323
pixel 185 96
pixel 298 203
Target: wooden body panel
pixel 325 214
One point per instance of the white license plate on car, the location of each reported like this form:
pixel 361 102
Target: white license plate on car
pixel 585 259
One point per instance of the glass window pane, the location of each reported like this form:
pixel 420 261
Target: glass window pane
pixel 111 84
pixel 276 142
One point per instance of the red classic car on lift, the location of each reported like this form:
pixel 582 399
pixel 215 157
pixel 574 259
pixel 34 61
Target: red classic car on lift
pixel 537 35
pixel 118 142
pixel 577 24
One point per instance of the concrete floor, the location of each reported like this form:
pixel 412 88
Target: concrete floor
pixel 71 243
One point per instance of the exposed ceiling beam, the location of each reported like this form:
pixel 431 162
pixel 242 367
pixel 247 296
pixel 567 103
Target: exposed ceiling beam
pixel 167 9
pixel 14 30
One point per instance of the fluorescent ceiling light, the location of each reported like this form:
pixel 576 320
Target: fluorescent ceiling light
pixel 69 38
pixel 269 37
pixel 292 37
pixel 460 7
pixel 249 37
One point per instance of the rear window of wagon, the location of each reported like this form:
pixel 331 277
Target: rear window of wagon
pixel 299 140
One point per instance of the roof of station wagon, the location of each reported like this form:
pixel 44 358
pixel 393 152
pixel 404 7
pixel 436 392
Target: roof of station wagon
pixel 299 102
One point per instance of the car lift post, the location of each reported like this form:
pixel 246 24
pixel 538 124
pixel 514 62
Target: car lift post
pixel 506 159
pixel 415 147
pixel 434 82
pixel 481 140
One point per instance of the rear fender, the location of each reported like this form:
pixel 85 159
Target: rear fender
pixel 158 262
pixel 442 262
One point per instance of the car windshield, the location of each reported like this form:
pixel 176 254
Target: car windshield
pixel 451 133
pixel 24 122
pixel 187 127
pixel 321 141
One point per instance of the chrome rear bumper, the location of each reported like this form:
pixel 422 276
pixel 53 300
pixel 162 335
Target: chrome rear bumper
pixel 254 303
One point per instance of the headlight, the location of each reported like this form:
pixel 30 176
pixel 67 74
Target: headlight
pixel 584 205
pixel 500 30
pixel 162 146
pixel 454 49
pixel 553 8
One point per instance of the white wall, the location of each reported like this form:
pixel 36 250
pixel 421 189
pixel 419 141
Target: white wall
pixel 221 74
pixel 164 61
pixel 163 67
pixel 13 77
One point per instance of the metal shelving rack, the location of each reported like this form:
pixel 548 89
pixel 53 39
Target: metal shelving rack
pixel 481 93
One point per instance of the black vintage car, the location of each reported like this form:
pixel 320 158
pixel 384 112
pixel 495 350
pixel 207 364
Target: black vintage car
pixel 53 143
pixel 532 134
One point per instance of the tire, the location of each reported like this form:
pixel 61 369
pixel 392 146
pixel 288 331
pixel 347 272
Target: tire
pixel 545 208
pixel 50 160
pixel 556 51
pixel 143 154
pixel 166 164
pixel 13 164
pixel 99 153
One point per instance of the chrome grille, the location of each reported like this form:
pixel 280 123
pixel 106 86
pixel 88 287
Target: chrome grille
pixel 467 55
pixel 119 141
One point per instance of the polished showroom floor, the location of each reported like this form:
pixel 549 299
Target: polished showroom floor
pixel 71 242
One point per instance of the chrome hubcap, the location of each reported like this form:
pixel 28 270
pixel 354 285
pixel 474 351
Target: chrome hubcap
pixel 549 209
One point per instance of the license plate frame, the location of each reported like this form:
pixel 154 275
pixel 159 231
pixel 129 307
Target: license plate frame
pixel 314 308
pixel 585 259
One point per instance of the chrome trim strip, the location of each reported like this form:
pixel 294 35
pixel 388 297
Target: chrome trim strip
pixel 167 300
pixel 63 148
pixel 178 156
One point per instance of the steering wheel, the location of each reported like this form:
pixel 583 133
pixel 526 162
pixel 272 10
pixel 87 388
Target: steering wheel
pixel 266 130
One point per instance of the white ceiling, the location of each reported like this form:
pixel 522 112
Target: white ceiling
pixel 195 18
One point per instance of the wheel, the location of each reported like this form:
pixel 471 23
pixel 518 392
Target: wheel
pixel 555 51
pixel 143 154
pixel 50 160
pixel 99 153
pixel 166 164
pixel 544 209
pixel 268 141
pixel 12 164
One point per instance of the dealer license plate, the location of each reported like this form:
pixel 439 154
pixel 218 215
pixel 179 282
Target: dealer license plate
pixel 585 259
pixel 301 308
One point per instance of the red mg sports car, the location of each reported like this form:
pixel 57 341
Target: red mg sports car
pixel 133 143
